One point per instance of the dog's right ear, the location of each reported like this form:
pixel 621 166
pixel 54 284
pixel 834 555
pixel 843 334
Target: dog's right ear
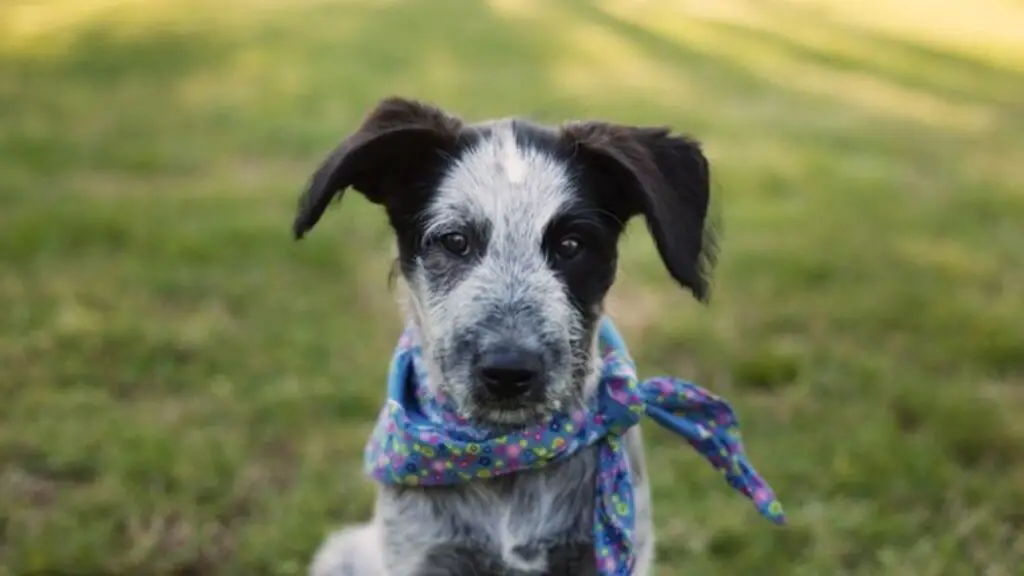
pixel 397 140
pixel 666 178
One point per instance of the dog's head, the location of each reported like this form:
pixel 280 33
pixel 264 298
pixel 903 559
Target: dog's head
pixel 507 238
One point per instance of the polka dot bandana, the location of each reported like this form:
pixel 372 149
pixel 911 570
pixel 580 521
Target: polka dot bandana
pixel 419 440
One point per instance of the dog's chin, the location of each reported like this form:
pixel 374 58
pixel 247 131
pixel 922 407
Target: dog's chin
pixel 520 413
pixel 512 416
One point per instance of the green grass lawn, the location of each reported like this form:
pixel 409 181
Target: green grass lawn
pixel 184 390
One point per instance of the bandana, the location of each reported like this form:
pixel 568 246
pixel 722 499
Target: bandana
pixel 419 440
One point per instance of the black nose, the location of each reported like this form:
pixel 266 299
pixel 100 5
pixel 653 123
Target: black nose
pixel 509 372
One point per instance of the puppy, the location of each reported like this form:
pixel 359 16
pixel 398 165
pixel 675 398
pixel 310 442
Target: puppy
pixel 507 236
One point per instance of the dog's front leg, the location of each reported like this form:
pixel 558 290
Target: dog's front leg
pixel 426 532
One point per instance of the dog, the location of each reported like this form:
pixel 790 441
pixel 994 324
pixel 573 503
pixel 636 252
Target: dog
pixel 507 235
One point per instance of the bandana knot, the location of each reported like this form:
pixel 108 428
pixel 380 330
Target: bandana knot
pixel 420 440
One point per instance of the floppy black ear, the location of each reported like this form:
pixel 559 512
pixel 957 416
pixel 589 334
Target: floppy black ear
pixel 666 178
pixel 397 140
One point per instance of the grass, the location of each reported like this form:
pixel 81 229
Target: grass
pixel 187 391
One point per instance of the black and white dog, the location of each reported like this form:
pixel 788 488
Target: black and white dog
pixel 507 237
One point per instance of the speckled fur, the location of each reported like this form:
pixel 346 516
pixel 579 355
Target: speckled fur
pixel 515 189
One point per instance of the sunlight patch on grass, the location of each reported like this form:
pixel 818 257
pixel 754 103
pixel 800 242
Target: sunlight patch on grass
pixel 24 21
pixel 870 93
pixel 847 47
pixel 46 27
pixel 520 9
pixel 858 90
pixel 990 29
pixel 727 10
pixel 595 56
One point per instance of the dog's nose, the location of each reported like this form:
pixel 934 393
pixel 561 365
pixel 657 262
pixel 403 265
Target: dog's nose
pixel 509 372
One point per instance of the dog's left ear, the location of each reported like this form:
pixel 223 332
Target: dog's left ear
pixel 666 178
pixel 397 142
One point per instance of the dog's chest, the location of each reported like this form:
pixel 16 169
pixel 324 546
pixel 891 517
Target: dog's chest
pixel 532 523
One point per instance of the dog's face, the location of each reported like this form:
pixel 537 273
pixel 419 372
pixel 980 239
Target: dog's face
pixel 507 237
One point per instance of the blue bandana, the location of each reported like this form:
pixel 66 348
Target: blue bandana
pixel 419 440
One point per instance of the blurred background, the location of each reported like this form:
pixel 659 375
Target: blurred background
pixel 185 390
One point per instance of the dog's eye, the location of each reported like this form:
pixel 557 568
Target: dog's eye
pixel 569 247
pixel 455 243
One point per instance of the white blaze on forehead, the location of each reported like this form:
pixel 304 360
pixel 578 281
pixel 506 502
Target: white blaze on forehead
pixel 515 189
pixel 514 162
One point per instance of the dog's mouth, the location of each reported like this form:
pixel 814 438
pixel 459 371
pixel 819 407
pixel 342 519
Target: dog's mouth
pixel 520 411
